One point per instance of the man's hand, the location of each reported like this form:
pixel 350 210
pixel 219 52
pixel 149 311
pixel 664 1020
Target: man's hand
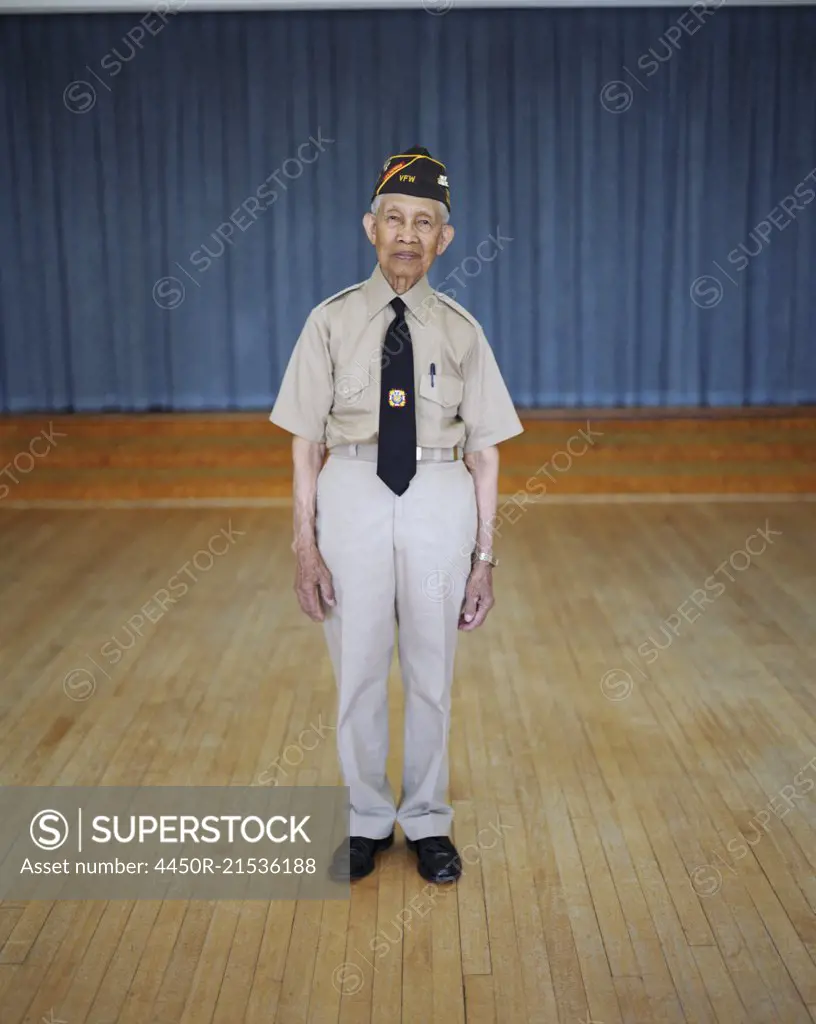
pixel 478 596
pixel 313 583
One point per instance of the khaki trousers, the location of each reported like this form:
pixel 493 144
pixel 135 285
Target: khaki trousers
pixel 400 561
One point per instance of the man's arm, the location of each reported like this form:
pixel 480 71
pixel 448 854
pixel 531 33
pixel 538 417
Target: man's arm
pixel 313 582
pixel 484 468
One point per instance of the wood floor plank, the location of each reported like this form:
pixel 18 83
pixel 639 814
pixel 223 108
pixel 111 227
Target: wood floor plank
pixel 595 969
pixel 539 993
pixel 31 972
pixel 475 944
pixel 720 911
pixel 446 956
pixel 504 957
pixel 651 961
pixel 686 976
pixel 233 996
pixel 298 973
pixel 22 929
pixel 8 922
pixel 480 1006
pixel 632 999
pixel 395 916
pixel 124 962
pixel 180 971
pixel 98 959
pixel 264 994
pixel 417 944
pixel 562 951
pixel 8 977
pixel 664 1004
pixel 617 943
pixel 209 975
pixel 720 986
pixel 56 982
pixel 329 974
pixel 358 980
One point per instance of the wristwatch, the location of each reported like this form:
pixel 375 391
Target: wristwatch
pixel 484 556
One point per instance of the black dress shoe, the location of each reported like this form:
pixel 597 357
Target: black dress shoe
pixel 359 861
pixel 437 859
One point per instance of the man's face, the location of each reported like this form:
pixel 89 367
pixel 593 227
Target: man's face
pixel 408 235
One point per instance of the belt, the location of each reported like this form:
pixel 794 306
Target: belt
pixel 369 453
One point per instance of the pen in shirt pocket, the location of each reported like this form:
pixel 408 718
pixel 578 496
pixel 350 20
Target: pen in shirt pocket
pixel 433 373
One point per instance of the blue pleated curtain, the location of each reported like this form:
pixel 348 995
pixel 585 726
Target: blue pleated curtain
pixel 635 221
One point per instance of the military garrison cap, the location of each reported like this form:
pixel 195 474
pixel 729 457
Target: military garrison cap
pixel 414 173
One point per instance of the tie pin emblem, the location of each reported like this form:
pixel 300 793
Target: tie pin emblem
pixel 396 398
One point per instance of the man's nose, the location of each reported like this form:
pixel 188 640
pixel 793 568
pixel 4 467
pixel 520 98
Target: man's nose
pixel 408 234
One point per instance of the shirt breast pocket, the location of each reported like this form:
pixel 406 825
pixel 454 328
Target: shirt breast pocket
pixel 444 391
pixel 351 390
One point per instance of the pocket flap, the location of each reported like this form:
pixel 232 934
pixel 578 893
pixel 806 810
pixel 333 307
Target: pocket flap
pixel 349 387
pixel 446 390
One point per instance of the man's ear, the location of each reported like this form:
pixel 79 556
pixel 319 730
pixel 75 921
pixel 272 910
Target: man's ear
pixel 445 238
pixel 370 226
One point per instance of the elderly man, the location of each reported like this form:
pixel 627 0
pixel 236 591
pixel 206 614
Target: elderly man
pixel 400 385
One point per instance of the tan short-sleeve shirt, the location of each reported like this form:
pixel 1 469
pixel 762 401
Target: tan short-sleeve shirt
pixel 330 391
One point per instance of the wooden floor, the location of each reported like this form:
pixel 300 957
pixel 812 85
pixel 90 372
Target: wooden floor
pixel 632 765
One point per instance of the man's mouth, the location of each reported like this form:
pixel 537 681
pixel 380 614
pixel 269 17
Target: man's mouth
pixel 406 255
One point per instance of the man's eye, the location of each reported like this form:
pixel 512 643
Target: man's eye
pixel 425 223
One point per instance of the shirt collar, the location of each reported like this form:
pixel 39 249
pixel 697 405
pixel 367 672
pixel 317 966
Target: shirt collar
pixel 379 294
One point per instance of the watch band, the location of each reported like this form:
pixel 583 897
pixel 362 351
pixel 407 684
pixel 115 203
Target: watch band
pixel 484 556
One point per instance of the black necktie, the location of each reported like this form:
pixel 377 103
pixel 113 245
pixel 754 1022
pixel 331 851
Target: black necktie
pixel 396 443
